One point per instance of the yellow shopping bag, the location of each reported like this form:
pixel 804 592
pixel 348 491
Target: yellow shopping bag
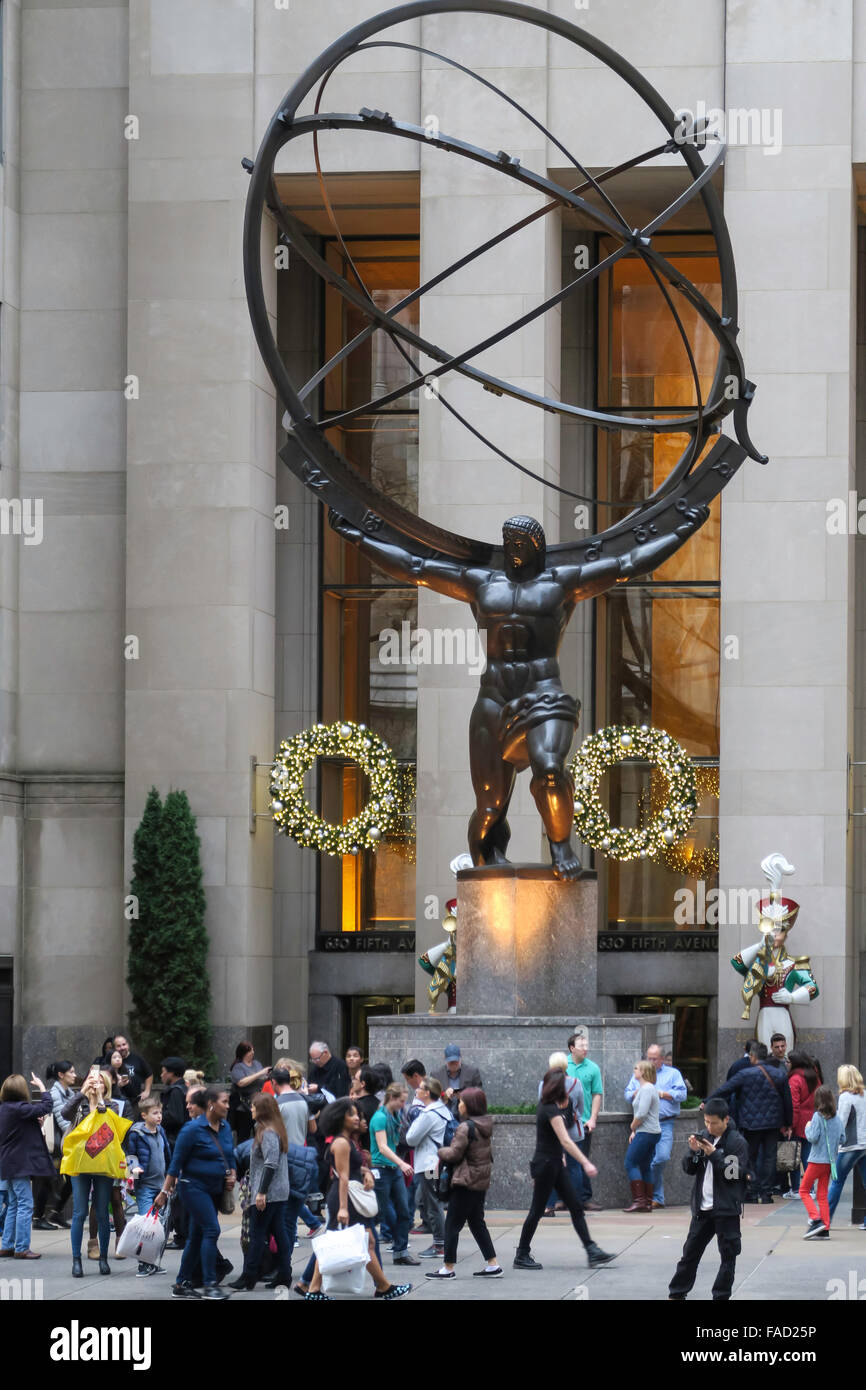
pixel 95 1146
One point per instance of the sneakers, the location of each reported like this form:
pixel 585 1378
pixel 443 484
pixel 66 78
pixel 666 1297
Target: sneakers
pixel 184 1290
pixel 433 1252
pixel 395 1291
pixel 145 1271
pixel 440 1274
pixel 421 1230
pixel 494 1273
pixel 214 1291
pixel 790 1196
pixel 406 1259
pixel 523 1260
pixel 815 1228
pixel 318 1297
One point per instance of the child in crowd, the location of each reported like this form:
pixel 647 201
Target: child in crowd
pixel 825 1134
pixel 149 1153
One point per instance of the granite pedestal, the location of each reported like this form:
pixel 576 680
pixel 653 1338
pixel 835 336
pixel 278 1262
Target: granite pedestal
pixel 526 943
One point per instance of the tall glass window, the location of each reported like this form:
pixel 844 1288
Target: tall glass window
pixel 658 637
pixel 362 610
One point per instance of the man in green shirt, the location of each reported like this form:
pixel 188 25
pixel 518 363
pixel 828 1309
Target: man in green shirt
pixel 589 1077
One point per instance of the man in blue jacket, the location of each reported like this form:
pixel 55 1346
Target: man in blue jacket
pixel 764 1107
pixel 718 1161
pixel 672 1092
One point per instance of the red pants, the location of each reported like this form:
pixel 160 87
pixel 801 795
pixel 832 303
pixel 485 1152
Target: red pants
pixel 820 1173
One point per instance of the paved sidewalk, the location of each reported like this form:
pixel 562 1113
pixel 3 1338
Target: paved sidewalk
pixel 776 1262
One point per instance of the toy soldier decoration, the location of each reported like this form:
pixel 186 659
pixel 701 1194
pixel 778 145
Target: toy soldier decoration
pixel 775 977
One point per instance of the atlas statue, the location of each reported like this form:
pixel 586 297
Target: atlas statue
pixel 522 592
pixel 522 718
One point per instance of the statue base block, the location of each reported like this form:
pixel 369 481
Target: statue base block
pixel 526 942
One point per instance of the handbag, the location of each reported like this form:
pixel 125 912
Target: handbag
pixel 340 1250
pixel 365 1202
pixel 788 1156
pixel 95 1146
pixel 226 1203
pixel 444 1182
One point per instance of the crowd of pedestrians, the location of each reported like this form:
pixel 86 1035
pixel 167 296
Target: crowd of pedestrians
pixel 339 1142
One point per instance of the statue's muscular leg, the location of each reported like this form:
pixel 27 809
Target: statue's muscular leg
pixel 493 784
pixel 553 790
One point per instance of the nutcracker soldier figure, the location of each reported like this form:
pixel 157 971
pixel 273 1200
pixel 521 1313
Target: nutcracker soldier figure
pixel 441 960
pixel 775 977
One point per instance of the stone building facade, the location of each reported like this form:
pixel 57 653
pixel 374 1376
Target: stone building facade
pixel 136 410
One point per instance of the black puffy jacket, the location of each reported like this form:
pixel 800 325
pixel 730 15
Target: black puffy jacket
pixel 763 1097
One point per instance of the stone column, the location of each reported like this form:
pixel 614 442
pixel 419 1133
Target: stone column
pixel 786 687
pixel 201 438
pixel 69 755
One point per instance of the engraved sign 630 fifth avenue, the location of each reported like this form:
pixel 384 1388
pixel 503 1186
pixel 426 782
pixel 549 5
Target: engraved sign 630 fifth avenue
pixel 366 941
pixel 659 941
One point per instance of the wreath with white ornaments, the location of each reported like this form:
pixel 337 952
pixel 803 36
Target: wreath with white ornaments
pixel 605 749
pixel 294 815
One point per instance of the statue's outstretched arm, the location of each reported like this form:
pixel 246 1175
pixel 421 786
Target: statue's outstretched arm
pixel 445 576
pixel 597 576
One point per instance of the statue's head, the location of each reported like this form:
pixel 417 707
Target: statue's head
pixel 525 546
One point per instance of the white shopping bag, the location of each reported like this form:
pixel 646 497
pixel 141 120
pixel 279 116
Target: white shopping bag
pixel 143 1239
pixel 350 1281
pixel 341 1250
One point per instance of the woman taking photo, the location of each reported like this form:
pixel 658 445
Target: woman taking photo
pixel 49 1198
pixel 553 1119
pixel 203 1159
pixel 248 1077
pixel 470 1155
pixel 95 1189
pixel 852 1117
pixel 339 1124
pixel 644 1134
pixel 269 1196
pixel 23 1155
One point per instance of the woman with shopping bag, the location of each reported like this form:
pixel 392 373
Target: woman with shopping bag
pixel 351 1198
pixel 93 1158
pixel 23 1155
pixel 204 1162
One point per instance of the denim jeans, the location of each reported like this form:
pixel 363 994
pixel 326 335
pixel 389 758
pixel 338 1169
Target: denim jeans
pixel 845 1162
pixel 263 1224
pixel 394 1205
pixel 81 1189
pixel 204 1232
pixel 639 1156
pixel 294 1208
pixel 19 1214
pixel 144 1199
pixel 660 1158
